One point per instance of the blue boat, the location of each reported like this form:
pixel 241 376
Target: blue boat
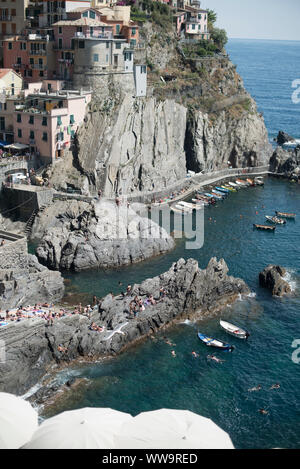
pixel 210 342
pixel 222 194
pixel 207 194
pixel 222 189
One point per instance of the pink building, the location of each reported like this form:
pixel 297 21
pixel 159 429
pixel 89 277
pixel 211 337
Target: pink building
pixel 196 25
pixel 48 120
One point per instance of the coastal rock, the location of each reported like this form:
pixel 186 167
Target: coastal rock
pixel 283 137
pixel 78 236
pixel 272 278
pixel 286 163
pixel 32 346
pixel 30 284
pixel 241 140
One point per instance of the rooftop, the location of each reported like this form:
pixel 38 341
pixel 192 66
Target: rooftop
pixel 81 22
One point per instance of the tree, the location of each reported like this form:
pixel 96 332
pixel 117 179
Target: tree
pixel 212 16
pixel 219 36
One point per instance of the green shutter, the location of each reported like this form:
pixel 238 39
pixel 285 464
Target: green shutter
pixel 59 122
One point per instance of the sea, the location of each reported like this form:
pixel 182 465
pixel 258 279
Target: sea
pixel 147 376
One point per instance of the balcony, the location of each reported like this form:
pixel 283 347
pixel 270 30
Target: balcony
pixel 6 18
pixel 38 52
pixel 38 66
pixel 107 35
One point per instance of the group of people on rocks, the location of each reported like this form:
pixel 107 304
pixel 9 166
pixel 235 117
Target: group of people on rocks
pixel 138 305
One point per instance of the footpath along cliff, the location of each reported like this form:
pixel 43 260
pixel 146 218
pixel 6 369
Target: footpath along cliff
pixel 32 347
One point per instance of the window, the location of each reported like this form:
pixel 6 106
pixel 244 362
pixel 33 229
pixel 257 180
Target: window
pixel 92 15
pixel 81 44
pixel 31 135
pixel 193 26
pixel 107 45
pixel 23 45
pixel 60 137
pixel 60 43
pixel 106 58
pixel 10 46
pixel 96 57
pixel 59 122
pixel 45 121
pixel 19 118
pixel 45 137
pixel 2 123
pixel 31 120
pixel 19 133
pixel 19 60
pixel 85 14
pixel 118 45
pixel 117 29
pixel 41 74
pixel 31 61
pixel 59 30
pixel 72 120
pixel 133 31
pixel 143 69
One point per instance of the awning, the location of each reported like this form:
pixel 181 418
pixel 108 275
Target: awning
pixel 16 146
pixel 3 144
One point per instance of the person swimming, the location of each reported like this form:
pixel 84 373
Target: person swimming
pixel 196 355
pixel 275 386
pixel 256 388
pixel 263 411
pixel 215 359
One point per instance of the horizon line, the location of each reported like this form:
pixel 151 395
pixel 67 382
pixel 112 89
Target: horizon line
pixel 264 39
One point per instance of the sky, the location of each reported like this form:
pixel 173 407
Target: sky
pixel 258 19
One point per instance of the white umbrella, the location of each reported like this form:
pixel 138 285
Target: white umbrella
pixel 18 421
pixel 167 429
pixel 88 428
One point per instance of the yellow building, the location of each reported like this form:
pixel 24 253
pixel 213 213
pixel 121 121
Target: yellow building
pixel 11 83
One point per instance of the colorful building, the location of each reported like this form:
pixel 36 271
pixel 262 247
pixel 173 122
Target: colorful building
pixel 47 120
pixel 56 10
pixel 12 17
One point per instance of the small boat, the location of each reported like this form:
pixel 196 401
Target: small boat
pixel 234 185
pixel 285 215
pixel 234 330
pixel 265 227
pixel 222 194
pixel 276 220
pixel 229 188
pixel 243 182
pixel 210 342
pixel 201 202
pixel 251 182
pixel 189 205
pixel 259 181
pixel 183 208
pixel 223 189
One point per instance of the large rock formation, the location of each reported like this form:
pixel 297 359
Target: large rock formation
pixel 78 235
pixel 283 137
pixel 29 285
pixel 286 162
pixel 31 346
pixel 272 278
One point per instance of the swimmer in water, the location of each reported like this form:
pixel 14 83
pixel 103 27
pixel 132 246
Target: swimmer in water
pixel 256 388
pixel 215 359
pixel 173 353
pixel 275 386
pixel 195 354
pixel 263 411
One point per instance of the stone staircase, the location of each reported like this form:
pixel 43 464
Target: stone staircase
pixel 30 221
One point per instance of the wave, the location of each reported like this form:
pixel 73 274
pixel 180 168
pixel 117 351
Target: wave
pixel 291 279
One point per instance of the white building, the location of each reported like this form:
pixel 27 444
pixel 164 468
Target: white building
pixel 140 80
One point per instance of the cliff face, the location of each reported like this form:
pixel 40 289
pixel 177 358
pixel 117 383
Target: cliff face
pixel 198 117
pixel 32 346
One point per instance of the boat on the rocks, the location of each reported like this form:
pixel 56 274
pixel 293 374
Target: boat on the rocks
pixel 234 330
pixel 264 227
pixel 285 214
pixel 276 220
pixel 216 343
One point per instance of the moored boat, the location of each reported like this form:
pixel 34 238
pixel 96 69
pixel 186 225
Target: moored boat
pixel 234 185
pixel 265 227
pixel 189 205
pixel 223 189
pixel 251 182
pixel 210 342
pixel 243 182
pixel 229 188
pixel 222 194
pixel 285 215
pixel 259 181
pixel 234 330
pixel 275 220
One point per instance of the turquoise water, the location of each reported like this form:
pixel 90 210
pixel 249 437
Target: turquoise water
pixel 148 377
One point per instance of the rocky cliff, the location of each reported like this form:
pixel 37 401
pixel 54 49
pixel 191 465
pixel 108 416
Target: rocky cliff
pixel 32 346
pixel 286 163
pixel 29 284
pixel 197 115
pixel 79 235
